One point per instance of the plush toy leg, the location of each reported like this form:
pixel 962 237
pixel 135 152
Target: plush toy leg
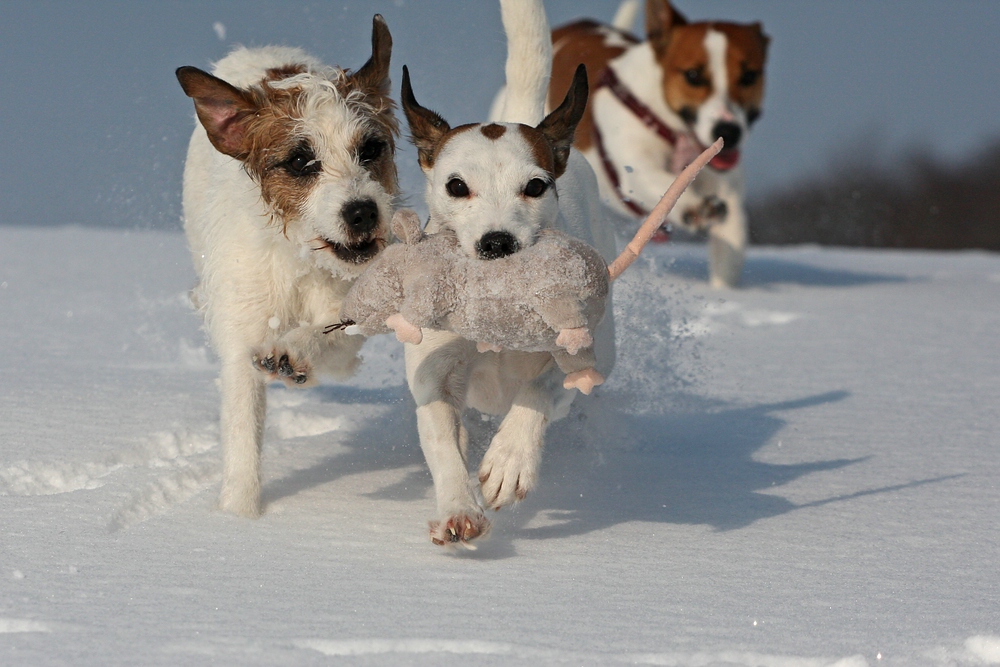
pixel 405 332
pixel 574 340
pixel 584 380
pixel 579 369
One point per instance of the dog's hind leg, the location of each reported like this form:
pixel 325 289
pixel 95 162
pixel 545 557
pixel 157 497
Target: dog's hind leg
pixel 243 408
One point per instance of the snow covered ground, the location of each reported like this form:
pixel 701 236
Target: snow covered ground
pixel 800 472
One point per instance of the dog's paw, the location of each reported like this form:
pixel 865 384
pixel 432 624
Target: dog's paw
pixel 459 529
pixel 279 364
pixel 507 473
pixel 711 211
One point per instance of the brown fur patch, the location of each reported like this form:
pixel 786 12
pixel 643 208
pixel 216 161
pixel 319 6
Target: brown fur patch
pixel 685 51
pixel 541 149
pixel 493 131
pixel 283 72
pixel 270 137
pixel 747 52
pixel 431 156
pixel 581 42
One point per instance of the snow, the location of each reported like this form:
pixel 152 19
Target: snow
pixel 799 472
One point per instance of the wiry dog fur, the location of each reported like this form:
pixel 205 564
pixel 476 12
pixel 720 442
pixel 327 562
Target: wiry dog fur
pixel 494 185
pixel 288 192
pixel 702 80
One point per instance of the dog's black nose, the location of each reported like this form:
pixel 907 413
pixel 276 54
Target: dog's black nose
pixel 729 132
pixel 361 215
pixel 495 245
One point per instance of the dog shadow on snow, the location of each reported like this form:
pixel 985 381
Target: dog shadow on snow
pixel 602 466
pixel 764 271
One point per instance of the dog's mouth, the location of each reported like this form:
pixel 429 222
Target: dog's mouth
pixel 355 253
pixel 725 160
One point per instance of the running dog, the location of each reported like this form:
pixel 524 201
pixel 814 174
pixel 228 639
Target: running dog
pixel 289 188
pixel 495 186
pixel 656 103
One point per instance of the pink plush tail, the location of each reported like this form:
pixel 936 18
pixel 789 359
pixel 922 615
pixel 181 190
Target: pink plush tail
pixel 659 213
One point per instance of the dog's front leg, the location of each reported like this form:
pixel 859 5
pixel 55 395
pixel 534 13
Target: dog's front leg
pixel 243 408
pixel 435 371
pixel 727 241
pixel 510 467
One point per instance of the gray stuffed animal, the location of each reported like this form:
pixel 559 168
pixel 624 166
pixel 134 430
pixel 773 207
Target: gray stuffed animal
pixel 546 298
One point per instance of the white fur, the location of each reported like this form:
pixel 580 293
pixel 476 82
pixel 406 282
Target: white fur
pixel 641 157
pixel 264 290
pixel 446 373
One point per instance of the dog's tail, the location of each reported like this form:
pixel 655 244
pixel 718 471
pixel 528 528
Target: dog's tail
pixel 659 213
pixel 626 15
pixel 529 63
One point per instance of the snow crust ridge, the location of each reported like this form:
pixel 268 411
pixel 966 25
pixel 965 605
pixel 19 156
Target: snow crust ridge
pixel 381 646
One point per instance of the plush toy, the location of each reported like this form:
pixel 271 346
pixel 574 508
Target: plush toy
pixel 547 297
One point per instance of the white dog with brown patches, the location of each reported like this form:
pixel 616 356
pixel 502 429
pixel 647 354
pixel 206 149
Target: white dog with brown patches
pixel 288 192
pixel 495 186
pixel 656 104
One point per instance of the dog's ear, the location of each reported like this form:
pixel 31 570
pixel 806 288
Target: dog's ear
pixel 560 125
pixel 374 74
pixel 426 127
pixel 765 41
pixel 661 17
pixel 221 107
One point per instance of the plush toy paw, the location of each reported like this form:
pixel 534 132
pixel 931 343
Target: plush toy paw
pixel 405 332
pixel 459 529
pixel 488 347
pixel 584 380
pixel 574 340
pixel 711 211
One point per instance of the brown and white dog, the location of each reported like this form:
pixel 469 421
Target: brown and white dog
pixel 495 186
pixel 289 188
pixel 656 103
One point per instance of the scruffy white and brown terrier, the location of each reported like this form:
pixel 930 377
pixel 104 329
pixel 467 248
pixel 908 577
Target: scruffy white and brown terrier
pixel 656 103
pixel 495 186
pixel 289 188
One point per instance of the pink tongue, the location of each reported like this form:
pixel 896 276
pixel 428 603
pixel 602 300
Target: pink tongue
pixel 725 160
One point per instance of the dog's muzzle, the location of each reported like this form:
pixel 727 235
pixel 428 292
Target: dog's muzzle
pixel 494 245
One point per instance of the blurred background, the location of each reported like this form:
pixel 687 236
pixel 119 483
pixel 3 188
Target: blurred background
pixel 881 124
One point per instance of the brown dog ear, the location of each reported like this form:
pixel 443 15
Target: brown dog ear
pixel 374 74
pixel 221 107
pixel 426 127
pixel 661 18
pixel 560 125
pixel 764 39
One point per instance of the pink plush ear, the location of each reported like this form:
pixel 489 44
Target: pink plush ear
pixel 406 226
pixel 221 107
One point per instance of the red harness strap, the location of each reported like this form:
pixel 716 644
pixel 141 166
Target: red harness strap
pixel 609 80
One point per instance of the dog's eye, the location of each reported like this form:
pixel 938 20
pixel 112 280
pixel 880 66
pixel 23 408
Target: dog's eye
pixel 302 162
pixel 749 78
pixel 371 150
pixel 456 187
pixel 536 187
pixel 695 78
